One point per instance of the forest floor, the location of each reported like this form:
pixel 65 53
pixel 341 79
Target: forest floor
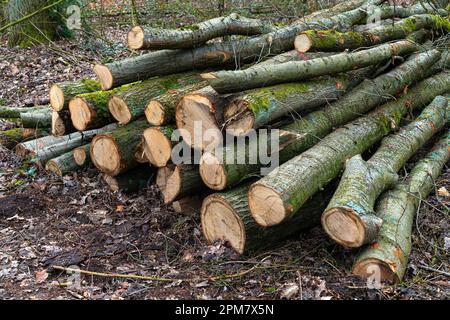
pixel 76 221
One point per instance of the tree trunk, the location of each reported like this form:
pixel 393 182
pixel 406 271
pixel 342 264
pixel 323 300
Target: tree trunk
pixel 216 54
pixel 331 40
pixel 14 112
pixel 158 145
pixel 113 153
pixel 62 164
pixel 37 119
pixel 129 104
pixel 81 155
pixel 397 209
pixel 234 81
pixel 149 38
pixel 62 123
pixel 258 107
pixel 33 31
pixel 349 218
pixel 134 180
pixel 281 194
pixel 60 94
pixel 10 138
pixel 176 182
pixel 226 217
pixel 387 11
pixel 224 171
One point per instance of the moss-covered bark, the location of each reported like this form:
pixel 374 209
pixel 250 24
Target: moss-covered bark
pixel 37 119
pixel 309 130
pixel 10 138
pixel 397 209
pixel 294 182
pixel 62 164
pixel 362 182
pixel 70 89
pixel 14 112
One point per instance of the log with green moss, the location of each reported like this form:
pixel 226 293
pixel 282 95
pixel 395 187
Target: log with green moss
pixel 62 164
pixel 61 93
pixel 62 123
pixel 349 218
pixel 226 217
pixel 224 169
pixel 149 38
pixel 165 62
pixel 134 180
pixel 113 153
pixel 388 11
pixel 332 40
pixel 235 81
pixel 178 181
pixel 158 145
pixel 37 119
pixel 397 208
pixel 129 104
pixel 90 110
pixel 10 138
pixel 280 195
pixel 14 112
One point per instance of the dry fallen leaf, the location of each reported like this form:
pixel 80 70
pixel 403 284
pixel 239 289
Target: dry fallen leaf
pixel 442 192
pixel 290 291
pixel 41 276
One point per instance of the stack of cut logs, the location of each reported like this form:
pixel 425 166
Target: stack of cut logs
pixel 334 85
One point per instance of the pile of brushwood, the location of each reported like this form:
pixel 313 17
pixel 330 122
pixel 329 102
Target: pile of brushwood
pixel 328 87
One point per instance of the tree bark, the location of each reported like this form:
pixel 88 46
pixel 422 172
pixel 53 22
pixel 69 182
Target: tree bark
pixel 226 217
pixel 10 138
pixel 134 180
pixel 62 164
pixel 149 38
pixel 281 194
pixel 62 123
pixel 397 208
pixel 37 119
pixel 158 145
pixel 14 112
pixel 176 182
pixel 216 54
pixel 61 93
pixel 349 218
pixel 129 104
pixel 113 153
pixel 224 171
pixel 233 81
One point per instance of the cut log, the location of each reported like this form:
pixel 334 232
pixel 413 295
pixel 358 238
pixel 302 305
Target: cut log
pixel 234 81
pixel 387 11
pixel 222 171
pixel 129 104
pixel 90 110
pixel 10 138
pixel 62 123
pixel 217 54
pixel 176 182
pixel 199 117
pixel 158 145
pixel 349 218
pixel 332 40
pixel 139 154
pixel 190 205
pixel 281 194
pixel 37 119
pixel 226 217
pixel 61 93
pixel 397 209
pixel 14 112
pixel 113 153
pixel 134 180
pixel 149 38
pixel 161 110
pixel 258 107
pixel 62 164
pixel 81 155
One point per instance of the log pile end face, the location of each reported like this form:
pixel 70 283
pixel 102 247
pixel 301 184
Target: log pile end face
pixel 266 205
pixel 344 226
pixel 154 112
pixel 119 110
pixel 168 180
pixel 157 147
pixel 56 97
pixel 105 154
pixel 80 113
pixel 368 267
pixel 213 172
pixel 135 38
pixel 104 75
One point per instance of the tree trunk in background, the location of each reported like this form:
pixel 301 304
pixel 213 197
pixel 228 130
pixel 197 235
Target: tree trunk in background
pixel 3 13
pixel 36 30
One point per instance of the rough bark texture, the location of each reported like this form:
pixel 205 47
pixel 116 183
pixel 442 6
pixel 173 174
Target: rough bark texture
pixel 280 194
pixel 306 132
pixel 258 107
pixel 331 40
pixel 37 119
pixel 134 180
pixel 10 138
pixel 62 123
pixel 113 153
pixel 171 61
pixel 61 93
pixel 234 81
pixel 14 112
pixel 349 218
pixel 226 217
pixel 129 104
pixel 397 208
pixel 387 11
pixel 193 36
pixel 62 164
